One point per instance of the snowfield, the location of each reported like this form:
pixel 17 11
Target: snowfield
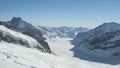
pixel 62 47
pixel 17 56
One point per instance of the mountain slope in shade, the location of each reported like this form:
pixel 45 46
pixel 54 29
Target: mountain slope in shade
pixel 102 41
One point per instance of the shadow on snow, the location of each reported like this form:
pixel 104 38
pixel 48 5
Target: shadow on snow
pixel 88 57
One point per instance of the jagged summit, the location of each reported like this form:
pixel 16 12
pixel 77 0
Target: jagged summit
pixel 17 18
pixel 18 21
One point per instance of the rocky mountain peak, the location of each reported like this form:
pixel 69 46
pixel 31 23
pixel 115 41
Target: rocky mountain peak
pixel 18 21
pixel 17 18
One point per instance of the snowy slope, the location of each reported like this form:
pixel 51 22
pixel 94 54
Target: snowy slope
pixel 102 41
pixel 15 56
pixel 11 36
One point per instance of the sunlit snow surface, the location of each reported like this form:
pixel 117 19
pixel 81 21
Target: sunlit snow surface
pixel 16 56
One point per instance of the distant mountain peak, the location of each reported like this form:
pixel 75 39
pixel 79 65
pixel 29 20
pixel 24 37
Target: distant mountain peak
pixel 17 21
pixel 17 18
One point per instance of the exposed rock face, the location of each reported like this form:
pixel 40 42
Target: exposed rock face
pixel 102 41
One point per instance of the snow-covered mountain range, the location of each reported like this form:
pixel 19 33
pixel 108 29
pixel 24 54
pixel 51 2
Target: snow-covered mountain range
pixel 47 32
pixel 23 45
pixel 103 41
pixel 61 32
pixel 39 33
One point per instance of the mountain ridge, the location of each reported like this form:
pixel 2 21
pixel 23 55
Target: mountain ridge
pixel 29 30
pixel 61 32
pixel 101 41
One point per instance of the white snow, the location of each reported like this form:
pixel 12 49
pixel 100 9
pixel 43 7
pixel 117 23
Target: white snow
pixel 14 56
pixel 62 48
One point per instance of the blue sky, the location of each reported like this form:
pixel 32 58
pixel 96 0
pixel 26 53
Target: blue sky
pixel 86 13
